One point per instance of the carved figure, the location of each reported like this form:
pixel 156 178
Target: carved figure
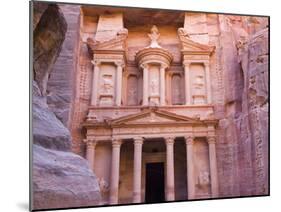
pixel 203 178
pixel 104 186
pixel 154 36
pixel 154 86
pixel 107 86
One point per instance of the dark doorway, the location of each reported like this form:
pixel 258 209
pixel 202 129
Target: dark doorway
pixel 154 188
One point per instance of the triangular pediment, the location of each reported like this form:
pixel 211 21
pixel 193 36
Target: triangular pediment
pixel 152 116
pixel 189 45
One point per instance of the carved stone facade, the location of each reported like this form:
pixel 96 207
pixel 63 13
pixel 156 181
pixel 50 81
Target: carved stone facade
pixel 154 95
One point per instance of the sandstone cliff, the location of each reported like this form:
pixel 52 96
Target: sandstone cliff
pixel 59 178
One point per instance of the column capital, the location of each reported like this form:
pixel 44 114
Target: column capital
pixel 144 66
pixel 189 140
pixel 163 66
pixel 116 142
pixel 90 142
pixel 138 140
pixel 119 63
pixel 206 63
pixel 169 140
pixel 186 63
pixel 211 139
pixel 96 62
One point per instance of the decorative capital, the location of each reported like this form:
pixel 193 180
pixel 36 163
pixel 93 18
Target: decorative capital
pixel 90 142
pixel 169 140
pixel 96 62
pixel 211 139
pixel 116 143
pixel 163 66
pixel 206 64
pixel 138 141
pixel 119 63
pixel 144 66
pixel 186 64
pixel 189 140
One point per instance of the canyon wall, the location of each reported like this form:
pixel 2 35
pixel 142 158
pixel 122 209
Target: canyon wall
pixel 60 178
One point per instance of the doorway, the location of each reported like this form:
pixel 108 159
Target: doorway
pixel 154 186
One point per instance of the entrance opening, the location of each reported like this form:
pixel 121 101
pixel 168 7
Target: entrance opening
pixel 154 188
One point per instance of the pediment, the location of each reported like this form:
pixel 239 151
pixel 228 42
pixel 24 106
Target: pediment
pixel 117 43
pixel 154 117
pixel 188 45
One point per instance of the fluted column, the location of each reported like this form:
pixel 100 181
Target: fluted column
pixel 170 176
pixel 90 153
pixel 190 168
pixel 137 170
pixel 115 163
pixel 187 83
pixel 208 82
pixel 118 98
pixel 213 166
pixel 95 79
pixel 162 84
pixel 145 84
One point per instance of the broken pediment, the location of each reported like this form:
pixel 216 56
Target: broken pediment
pixel 154 117
pixel 192 47
pixel 118 43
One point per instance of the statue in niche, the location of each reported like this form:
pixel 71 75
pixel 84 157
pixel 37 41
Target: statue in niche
pixel 154 87
pixel 199 85
pixel 203 178
pixel 104 186
pixel 154 36
pixel 107 85
pixel 132 96
pixel 176 92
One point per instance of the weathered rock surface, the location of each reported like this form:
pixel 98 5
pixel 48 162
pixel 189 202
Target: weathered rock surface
pixel 243 147
pixel 61 81
pixel 48 37
pixel 47 130
pixel 62 179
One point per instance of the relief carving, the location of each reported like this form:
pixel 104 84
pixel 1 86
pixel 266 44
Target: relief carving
pixel 154 36
pixel 104 186
pixel 154 86
pixel 199 90
pixel 106 90
pixel 132 90
pixel 107 84
pixel 203 178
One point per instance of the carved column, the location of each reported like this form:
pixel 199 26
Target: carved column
pixel 90 153
pixel 120 66
pixel 187 83
pixel 145 84
pixel 208 82
pixel 189 140
pixel 213 166
pixel 170 176
pixel 115 163
pixel 95 79
pixel 162 84
pixel 137 170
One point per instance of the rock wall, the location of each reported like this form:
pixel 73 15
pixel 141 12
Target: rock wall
pixel 59 178
pixel 243 131
pixel 61 83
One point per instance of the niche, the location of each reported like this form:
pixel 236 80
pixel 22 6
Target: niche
pixel 202 168
pixel 132 90
pixel 198 83
pixel 176 90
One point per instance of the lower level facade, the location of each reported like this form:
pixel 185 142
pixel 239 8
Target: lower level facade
pixel 153 155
